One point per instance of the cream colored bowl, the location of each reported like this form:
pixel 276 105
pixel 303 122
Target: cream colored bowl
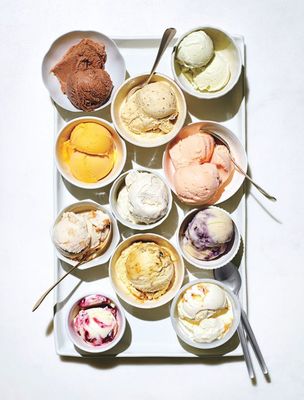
pixel 140 140
pixel 63 167
pixel 121 289
pixel 237 151
pixel 225 45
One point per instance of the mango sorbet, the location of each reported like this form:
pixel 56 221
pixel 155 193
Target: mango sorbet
pixel 89 152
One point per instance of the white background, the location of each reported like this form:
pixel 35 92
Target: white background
pixel 274 36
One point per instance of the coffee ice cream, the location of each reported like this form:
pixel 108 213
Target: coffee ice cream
pixel 82 75
pixel 151 111
pixel 146 270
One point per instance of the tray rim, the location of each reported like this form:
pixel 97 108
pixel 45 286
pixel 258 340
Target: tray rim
pixel 56 176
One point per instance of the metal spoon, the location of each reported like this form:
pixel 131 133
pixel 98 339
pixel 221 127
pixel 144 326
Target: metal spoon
pixel 230 275
pixel 165 41
pixel 219 138
pixel 85 257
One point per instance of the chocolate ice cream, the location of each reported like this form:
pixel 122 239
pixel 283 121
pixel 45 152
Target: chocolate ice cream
pixel 88 89
pixel 82 76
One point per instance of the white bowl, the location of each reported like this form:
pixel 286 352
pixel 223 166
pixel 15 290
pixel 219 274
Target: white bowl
pixel 119 287
pixel 236 309
pixel 237 151
pixel 87 205
pixel 116 188
pixel 65 133
pixel 115 65
pixel 77 340
pixel 211 264
pixel 140 140
pixel 222 43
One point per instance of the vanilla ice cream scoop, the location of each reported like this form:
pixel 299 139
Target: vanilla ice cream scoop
pixel 195 50
pixel 71 234
pixel 144 199
pixel 208 234
pixel 213 77
pixel 204 312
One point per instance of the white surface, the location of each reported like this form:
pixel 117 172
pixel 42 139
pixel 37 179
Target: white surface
pixel 144 327
pixel 30 369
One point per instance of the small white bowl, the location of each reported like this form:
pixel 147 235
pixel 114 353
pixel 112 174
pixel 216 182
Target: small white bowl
pixel 119 287
pixel 87 205
pixel 140 140
pixel 77 340
pixel 225 45
pixel 115 65
pixel 65 133
pixel 116 188
pixel 211 264
pixel 236 310
pixel 237 151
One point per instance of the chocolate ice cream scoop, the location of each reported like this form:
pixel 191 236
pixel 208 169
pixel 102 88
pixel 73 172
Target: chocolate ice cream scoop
pixel 87 54
pixel 89 89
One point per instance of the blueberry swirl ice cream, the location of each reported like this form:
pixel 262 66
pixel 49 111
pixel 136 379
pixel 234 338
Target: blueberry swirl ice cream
pixel 208 235
pixel 97 321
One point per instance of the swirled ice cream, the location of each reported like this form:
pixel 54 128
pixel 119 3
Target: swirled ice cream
pixel 146 270
pixel 204 312
pixel 208 235
pixel 97 320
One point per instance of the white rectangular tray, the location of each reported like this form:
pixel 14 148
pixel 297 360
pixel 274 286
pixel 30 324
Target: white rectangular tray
pixel 149 332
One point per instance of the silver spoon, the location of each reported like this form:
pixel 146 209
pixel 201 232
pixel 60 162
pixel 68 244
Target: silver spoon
pixel 165 41
pixel 230 275
pixel 219 138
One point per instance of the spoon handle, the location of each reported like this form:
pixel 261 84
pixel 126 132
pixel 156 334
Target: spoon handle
pixel 165 41
pixel 254 342
pixel 260 189
pixel 40 300
pixel 245 348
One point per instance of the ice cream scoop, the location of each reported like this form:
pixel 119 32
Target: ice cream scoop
pixel 195 50
pixel 211 78
pixel 82 75
pixel 71 233
pixel 196 184
pixel 146 269
pixel 208 234
pixel 96 321
pixel 89 89
pixel 76 233
pixel 221 158
pixel 193 149
pixel 89 152
pixel 204 312
pixel 144 198
pixel 151 110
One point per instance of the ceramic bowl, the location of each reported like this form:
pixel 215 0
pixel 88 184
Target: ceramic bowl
pixel 225 45
pixel 115 65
